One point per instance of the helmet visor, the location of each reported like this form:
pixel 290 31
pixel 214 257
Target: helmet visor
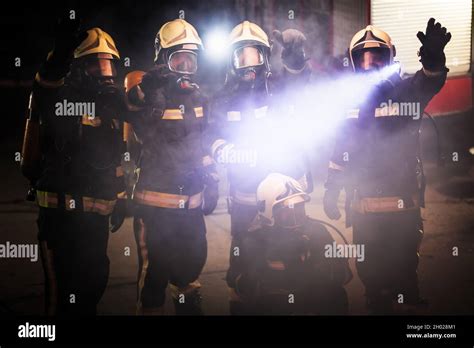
pixel 100 67
pixel 183 62
pixel 369 59
pixel 247 56
pixel 289 216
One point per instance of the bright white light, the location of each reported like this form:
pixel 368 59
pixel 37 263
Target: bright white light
pixel 319 110
pixel 216 44
pixel 323 106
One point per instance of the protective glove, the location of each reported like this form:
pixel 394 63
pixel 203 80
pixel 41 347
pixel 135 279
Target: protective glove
pixel 331 196
pixel 157 77
pixel 210 194
pixel 433 42
pixel 153 83
pixel 118 215
pixel 292 41
pixel 68 37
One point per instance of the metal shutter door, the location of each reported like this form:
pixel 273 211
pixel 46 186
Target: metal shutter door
pixel 402 19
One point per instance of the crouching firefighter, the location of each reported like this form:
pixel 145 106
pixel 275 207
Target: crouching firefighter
pixel 376 160
pixel 284 267
pixel 71 154
pixel 174 170
pixel 246 116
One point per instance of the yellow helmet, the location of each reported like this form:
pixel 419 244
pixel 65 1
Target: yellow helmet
pixel 371 37
pixel 178 32
pixel 247 31
pixel 97 41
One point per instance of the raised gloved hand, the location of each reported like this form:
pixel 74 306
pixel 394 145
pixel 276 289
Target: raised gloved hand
pixel 433 42
pixel 331 196
pixel 118 215
pixel 68 37
pixel 292 41
pixel 210 193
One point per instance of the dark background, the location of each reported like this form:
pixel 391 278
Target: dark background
pixel 28 33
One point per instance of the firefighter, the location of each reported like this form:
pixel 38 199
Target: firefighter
pixel 174 169
pixel 71 155
pixel 285 269
pixel 247 115
pixel 376 160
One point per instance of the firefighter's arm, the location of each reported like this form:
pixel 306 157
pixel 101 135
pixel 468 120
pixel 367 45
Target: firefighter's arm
pixel 430 79
pixel 48 80
pixel 336 173
pixel 135 96
pixel 333 187
pixel 145 87
pixel 144 97
pixel 30 152
pixel 134 99
pixel 220 141
pixel 122 178
pixel 67 38
pixel 126 169
pixel 120 210
pixel 210 176
pixel 211 185
pixel 423 86
pixel 215 134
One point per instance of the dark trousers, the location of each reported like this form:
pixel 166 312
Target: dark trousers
pixel 389 270
pixel 172 248
pixel 241 217
pixel 75 262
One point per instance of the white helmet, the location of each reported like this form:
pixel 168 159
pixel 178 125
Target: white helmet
pixel 278 188
pixel 371 37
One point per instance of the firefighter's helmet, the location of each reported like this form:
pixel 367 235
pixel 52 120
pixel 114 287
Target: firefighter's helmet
pixel 250 46
pixel 94 59
pixel 97 42
pixel 250 60
pixel 371 38
pixel 277 189
pixel 175 35
pixel 247 31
